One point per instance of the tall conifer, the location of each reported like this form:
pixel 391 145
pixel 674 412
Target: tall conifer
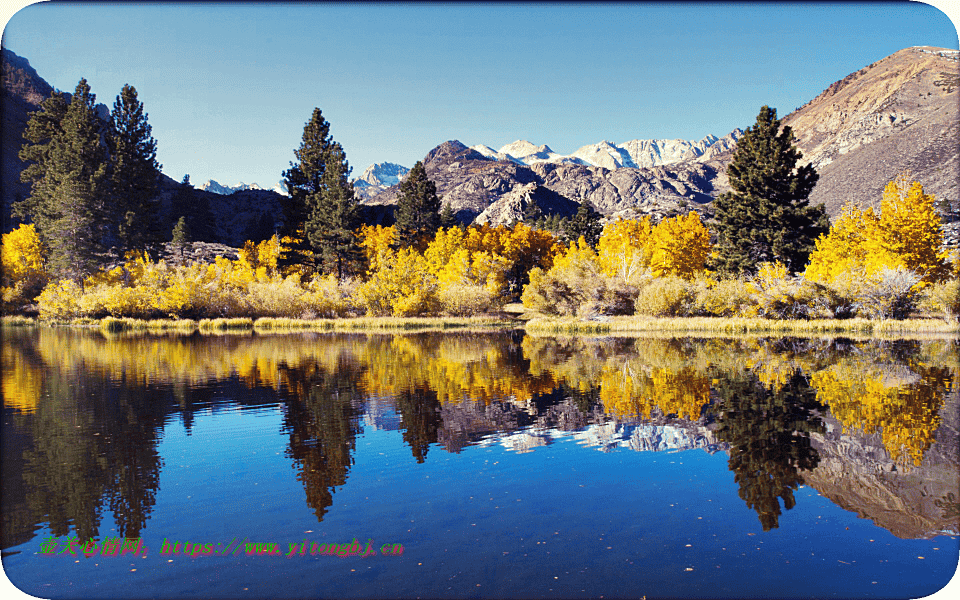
pixel 767 216
pixel 304 178
pixel 418 208
pixel 70 176
pixel 45 126
pixel 334 217
pixel 135 173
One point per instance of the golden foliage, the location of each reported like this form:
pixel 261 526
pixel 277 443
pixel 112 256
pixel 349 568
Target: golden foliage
pixel 377 242
pixel 905 234
pixel 22 266
pixel 679 247
pixel 624 249
pixel 403 286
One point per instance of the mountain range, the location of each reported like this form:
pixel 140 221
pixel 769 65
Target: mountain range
pixel 218 188
pixel 899 114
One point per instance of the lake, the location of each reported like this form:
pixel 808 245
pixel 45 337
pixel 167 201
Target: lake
pixel 478 465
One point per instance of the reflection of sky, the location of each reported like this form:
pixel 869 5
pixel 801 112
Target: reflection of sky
pixel 564 520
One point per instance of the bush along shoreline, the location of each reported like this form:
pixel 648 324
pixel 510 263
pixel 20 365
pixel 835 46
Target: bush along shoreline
pixel 633 268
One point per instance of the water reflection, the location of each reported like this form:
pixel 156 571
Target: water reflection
pixel 83 415
pixel 768 428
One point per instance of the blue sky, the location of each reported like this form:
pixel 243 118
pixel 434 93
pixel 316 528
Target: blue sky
pixel 228 87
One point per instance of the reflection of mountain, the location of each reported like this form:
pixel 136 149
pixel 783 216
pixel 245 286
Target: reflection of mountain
pixel 858 474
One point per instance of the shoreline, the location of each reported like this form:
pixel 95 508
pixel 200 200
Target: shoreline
pixel 539 325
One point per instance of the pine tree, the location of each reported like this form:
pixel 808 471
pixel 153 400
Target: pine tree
pixel 305 181
pixel 448 218
pixel 334 217
pixel 136 173
pixel 418 208
pixel 767 216
pixel 70 192
pixel 304 178
pixel 45 126
pixel 585 224
pixel 181 235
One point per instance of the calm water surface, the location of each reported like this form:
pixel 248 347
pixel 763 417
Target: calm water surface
pixel 505 465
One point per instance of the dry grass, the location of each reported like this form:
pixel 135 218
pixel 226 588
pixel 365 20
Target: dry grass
pixel 17 321
pixel 279 325
pixel 734 325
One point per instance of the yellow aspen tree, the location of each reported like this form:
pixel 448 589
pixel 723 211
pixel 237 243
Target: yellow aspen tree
pixel 906 233
pixel 623 250
pixel 22 253
pixel 445 244
pixel 679 246
pixel 911 229
pixel 377 241
pixel 843 250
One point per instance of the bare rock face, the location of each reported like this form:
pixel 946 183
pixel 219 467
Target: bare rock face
pixel 472 182
pixel 900 114
pixel 512 206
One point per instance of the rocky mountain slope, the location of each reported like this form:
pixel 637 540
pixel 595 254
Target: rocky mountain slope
pixel 470 182
pixel 378 177
pixel 899 114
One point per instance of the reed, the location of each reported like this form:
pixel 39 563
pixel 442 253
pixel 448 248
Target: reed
pixel 736 325
pixel 235 325
pixel 16 321
pixel 279 324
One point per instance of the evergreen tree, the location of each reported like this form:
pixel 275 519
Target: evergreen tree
pixel 448 218
pixel 70 176
pixel 418 208
pixel 45 126
pixel 136 173
pixel 304 178
pixel 767 217
pixel 334 217
pixel 181 235
pixel 304 181
pixel 586 224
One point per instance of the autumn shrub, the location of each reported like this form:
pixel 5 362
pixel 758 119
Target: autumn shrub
pixel 943 298
pixel 327 297
pixel 548 294
pixel 60 300
pixel 779 295
pixel 402 287
pixel 724 298
pixel 276 298
pixel 669 296
pixel 465 299
pixel 889 294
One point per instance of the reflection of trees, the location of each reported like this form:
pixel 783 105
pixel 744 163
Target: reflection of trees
pixel 769 435
pixel 321 417
pixel 903 403
pixel 420 419
pixel 86 441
